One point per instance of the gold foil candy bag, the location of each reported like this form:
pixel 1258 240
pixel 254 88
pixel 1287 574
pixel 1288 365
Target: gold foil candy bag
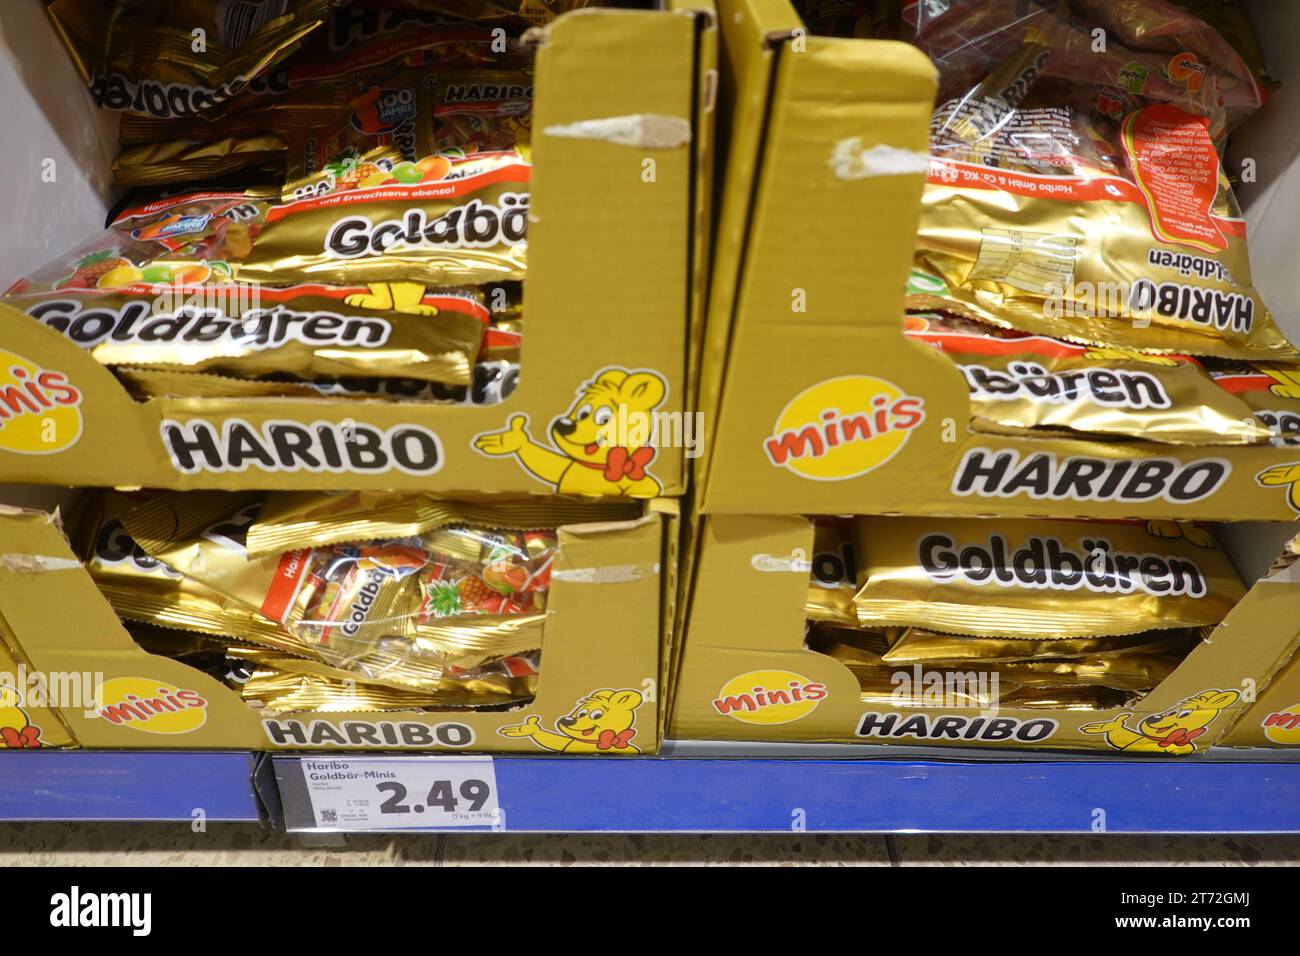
pixel 1040 578
pixel 182 160
pixel 176 242
pixel 236 331
pixel 511 12
pixel 919 646
pixel 1080 193
pixel 492 383
pixel 290 519
pixel 1270 390
pixel 407 596
pixel 464 230
pixel 483 112
pixel 145 56
pixel 833 580
pixel 1022 383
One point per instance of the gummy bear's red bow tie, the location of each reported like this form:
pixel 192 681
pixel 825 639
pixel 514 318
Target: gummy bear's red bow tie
pixel 608 740
pixel 28 737
pixel 622 463
pixel 1180 737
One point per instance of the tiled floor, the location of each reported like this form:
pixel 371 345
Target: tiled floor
pixel 162 844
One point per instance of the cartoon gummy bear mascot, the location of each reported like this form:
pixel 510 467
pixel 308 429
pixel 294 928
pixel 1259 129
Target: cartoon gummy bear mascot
pixel 1172 732
pixel 16 732
pixel 581 459
pixel 600 723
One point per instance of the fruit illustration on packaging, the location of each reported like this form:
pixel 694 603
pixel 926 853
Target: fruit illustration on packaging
pixel 157 275
pixel 467 595
pixel 93 267
pixel 408 174
pixel 349 171
pixel 119 277
pixel 506 576
pixel 433 168
pixel 192 275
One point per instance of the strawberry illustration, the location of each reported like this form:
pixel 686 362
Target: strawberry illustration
pixel 92 267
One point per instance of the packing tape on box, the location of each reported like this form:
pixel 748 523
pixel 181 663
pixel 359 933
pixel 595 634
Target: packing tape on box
pixel 797 562
pixel 613 574
pixel 851 160
pixel 27 563
pixel 645 130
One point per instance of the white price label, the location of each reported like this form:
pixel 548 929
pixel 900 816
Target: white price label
pixel 404 794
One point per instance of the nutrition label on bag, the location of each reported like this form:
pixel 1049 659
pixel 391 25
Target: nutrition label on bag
pixel 1032 261
pixel 401 793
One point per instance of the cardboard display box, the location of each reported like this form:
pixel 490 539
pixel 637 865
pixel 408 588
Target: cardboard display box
pixel 617 241
pixel 600 652
pixel 827 157
pixel 746 673
pixel 1273 720
pixel 806 316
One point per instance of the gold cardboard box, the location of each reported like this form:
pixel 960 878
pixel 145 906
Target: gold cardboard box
pixel 617 240
pixel 601 649
pixel 815 401
pixel 746 674
pixel 1273 720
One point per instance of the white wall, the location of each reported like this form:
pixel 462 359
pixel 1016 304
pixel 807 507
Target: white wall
pixel 46 114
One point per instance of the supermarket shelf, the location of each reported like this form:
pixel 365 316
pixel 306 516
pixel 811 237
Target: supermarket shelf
pixel 124 785
pixel 859 793
pixel 680 794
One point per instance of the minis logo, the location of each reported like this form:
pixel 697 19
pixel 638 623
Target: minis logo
pixel 1283 726
pixel 843 427
pixel 153 706
pixel 769 697
pixel 40 409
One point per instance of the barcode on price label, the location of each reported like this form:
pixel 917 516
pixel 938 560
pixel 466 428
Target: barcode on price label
pixel 409 793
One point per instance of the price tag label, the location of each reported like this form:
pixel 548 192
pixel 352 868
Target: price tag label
pixel 402 794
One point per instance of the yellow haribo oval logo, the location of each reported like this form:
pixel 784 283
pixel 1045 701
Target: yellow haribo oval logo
pixel 1283 727
pixel 156 707
pixel 843 427
pixel 769 697
pixel 40 409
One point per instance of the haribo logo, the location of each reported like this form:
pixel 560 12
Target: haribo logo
pixel 769 697
pixel 843 427
pixel 40 409
pixel 152 706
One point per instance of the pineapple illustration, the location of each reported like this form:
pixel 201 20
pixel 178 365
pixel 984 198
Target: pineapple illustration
pixel 349 170
pixel 93 267
pixel 468 595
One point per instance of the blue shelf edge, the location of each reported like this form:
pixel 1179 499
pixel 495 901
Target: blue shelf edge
pixel 749 795
pixel 709 794
pixel 128 785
